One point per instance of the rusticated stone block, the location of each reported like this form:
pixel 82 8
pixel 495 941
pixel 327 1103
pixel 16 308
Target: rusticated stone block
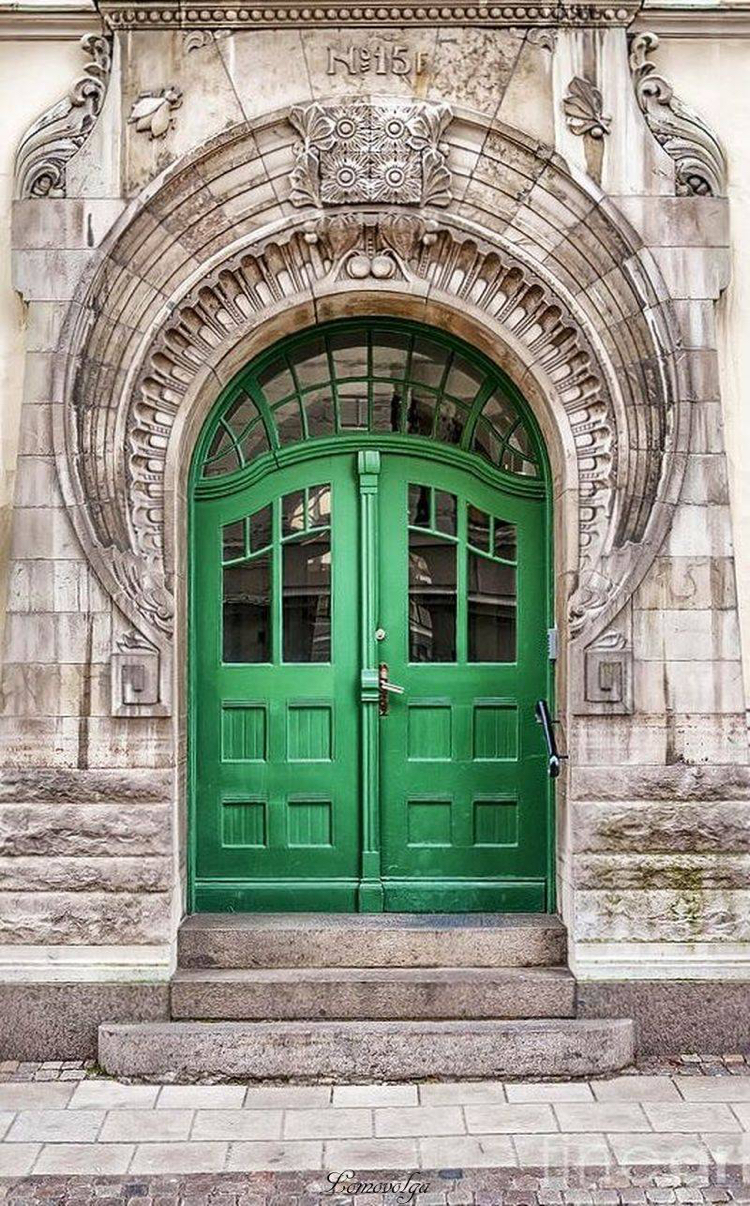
pixel 693 914
pixel 141 873
pixel 100 786
pixel 677 827
pixel 678 782
pixel 49 829
pixel 84 918
pixel 673 872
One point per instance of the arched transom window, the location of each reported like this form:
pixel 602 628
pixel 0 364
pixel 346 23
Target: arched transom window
pixel 377 377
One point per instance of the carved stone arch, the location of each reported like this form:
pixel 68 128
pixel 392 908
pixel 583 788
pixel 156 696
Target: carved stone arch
pixel 552 269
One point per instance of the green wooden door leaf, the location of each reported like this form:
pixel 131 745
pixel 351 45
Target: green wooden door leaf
pixel 365 494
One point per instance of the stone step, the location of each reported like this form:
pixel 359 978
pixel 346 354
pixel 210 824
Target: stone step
pixel 288 940
pixel 185 1052
pixel 373 993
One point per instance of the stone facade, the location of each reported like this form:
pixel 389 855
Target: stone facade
pixel 551 200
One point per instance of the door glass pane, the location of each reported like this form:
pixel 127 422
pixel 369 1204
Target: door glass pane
pixel 349 350
pixel 479 529
pixel 260 529
pixel 492 610
pixel 445 512
pixel 233 540
pixel 293 513
pixel 505 540
pixel 419 506
pixel 319 506
pixel 247 611
pixel 307 598
pixel 432 598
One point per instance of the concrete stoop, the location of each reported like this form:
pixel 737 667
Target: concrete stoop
pixel 385 997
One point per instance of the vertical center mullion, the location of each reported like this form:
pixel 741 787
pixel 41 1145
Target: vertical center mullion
pixel 462 581
pixel 277 579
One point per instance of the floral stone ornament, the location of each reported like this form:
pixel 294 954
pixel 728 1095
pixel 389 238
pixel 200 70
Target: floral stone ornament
pixel 153 112
pixel 356 152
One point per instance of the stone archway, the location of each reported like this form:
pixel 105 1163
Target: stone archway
pixel 231 240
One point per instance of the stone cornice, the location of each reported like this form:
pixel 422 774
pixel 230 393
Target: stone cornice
pixel 66 20
pixel 171 14
pixel 695 21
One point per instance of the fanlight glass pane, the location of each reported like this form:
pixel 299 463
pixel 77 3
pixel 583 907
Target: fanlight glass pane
pixel 276 381
pixel 345 380
pixel 309 362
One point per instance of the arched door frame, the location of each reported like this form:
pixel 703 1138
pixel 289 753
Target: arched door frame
pixel 427 448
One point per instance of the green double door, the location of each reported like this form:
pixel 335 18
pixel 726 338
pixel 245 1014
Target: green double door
pixel 368 643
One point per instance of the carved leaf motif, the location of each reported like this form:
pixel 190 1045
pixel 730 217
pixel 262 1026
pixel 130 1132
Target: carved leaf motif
pixel 152 112
pixel 437 179
pixel 700 164
pixel 342 233
pixel 583 109
pixel 400 233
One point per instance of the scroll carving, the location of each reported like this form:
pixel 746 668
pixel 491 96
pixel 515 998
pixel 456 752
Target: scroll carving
pixel 59 133
pixel 697 152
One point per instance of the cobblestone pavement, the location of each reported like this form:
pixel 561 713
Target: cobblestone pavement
pixel 635 1186
pixel 675 1065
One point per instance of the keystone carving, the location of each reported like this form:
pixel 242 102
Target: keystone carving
pixel 583 108
pixel 697 152
pixel 59 133
pixel 355 152
pixel 153 112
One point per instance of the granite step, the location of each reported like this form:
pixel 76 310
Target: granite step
pixel 373 993
pixel 348 1051
pixel 445 940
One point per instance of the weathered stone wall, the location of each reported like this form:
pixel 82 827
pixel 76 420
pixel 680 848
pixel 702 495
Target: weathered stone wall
pixel 575 198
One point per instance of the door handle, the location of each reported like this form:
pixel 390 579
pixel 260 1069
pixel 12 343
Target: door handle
pixel 386 688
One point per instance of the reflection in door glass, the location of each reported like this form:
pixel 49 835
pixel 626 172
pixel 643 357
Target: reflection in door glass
pixel 247 611
pixel 307 598
pixel 432 598
pixel 445 512
pixel 419 506
pixel 492 610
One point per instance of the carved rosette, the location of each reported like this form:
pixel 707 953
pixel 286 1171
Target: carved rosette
pixel 56 136
pixel 700 164
pixel 355 152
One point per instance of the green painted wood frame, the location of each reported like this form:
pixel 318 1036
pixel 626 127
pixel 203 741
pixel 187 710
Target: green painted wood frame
pixel 374 454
